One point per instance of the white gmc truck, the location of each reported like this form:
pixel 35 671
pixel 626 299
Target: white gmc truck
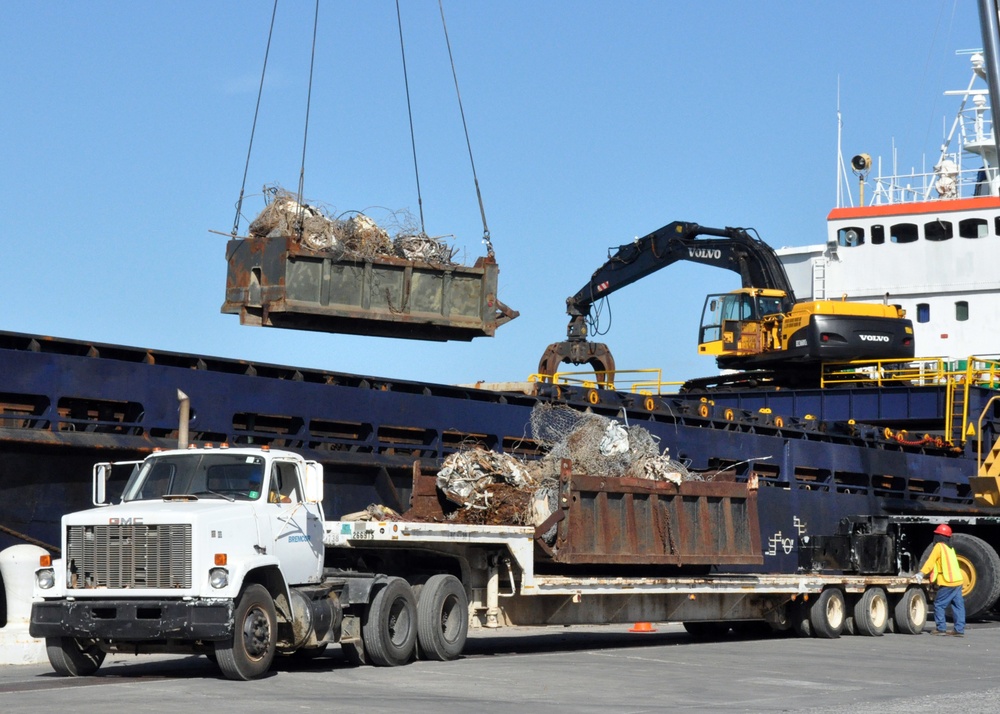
pixel 226 552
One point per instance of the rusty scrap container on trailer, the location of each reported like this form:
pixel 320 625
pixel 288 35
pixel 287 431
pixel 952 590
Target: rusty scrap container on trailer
pixel 276 282
pixel 630 521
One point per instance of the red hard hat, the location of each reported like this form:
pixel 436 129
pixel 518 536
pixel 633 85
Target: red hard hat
pixel 944 530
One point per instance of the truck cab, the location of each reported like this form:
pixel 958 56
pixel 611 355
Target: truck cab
pixel 208 550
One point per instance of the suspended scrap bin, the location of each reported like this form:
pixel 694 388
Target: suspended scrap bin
pixel 347 276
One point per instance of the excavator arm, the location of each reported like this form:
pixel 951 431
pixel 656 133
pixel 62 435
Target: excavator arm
pixel 729 248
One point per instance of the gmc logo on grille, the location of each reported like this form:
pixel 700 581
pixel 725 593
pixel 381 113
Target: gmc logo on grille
pixel 125 521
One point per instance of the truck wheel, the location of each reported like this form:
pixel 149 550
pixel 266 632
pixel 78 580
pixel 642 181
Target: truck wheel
pixel 799 614
pixel 442 618
pixel 827 614
pixel 910 614
pixel 389 627
pixel 707 630
pixel 248 655
pixel 871 613
pixel 72 657
pixel 980 566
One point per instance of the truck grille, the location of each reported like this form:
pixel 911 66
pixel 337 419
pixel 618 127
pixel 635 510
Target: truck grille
pixel 128 556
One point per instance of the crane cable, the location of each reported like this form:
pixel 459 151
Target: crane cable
pixel 479 195
pixel 409 111
pixel 253 128
pixel 305 132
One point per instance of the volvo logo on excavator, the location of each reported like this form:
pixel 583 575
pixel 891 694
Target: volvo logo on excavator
pixel 713 253
pixel 874 338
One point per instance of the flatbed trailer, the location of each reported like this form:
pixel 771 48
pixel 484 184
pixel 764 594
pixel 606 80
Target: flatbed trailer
pixel 497 568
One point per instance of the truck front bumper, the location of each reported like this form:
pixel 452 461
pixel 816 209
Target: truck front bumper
pixel 133 620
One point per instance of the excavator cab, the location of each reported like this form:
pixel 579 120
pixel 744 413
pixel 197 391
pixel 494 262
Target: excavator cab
pixel 742 322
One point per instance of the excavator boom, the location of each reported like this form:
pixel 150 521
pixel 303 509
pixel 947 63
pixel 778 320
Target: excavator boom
pixel 761 325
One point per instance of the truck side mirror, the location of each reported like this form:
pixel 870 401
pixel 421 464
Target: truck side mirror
pixel 102 472
pixel 313 482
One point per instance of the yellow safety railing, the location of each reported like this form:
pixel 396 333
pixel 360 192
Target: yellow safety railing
pixel 637 381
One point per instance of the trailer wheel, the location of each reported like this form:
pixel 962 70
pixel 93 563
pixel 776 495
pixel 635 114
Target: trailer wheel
pixel 250 651
pixel 72 657
pixel 389 627
pixel 442 617
pixel 910 613
pixel 871 613
pixel 798 613
pixel 707 630
pixel 827 614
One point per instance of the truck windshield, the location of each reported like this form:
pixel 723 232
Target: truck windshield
pixel 230 476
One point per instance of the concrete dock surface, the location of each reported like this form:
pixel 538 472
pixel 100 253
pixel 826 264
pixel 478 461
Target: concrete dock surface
pixel 583 669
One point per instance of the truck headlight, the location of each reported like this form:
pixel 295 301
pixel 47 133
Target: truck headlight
pixel 218 578
pixel 45 578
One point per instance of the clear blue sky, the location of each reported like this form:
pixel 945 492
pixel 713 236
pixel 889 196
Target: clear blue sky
pixel 125 125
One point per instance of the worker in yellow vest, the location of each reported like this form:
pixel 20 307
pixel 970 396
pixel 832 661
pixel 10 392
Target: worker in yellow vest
pixel 942 568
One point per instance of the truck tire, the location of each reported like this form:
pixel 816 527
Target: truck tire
pixel 72 657
pixel 442 618
pixel 910 613
pixel 871 613
pixel 389 626
pixel 980 566
pixel 250 651
pixel 827 614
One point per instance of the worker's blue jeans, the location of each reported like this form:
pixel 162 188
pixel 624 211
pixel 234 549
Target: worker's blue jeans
pixel 944 598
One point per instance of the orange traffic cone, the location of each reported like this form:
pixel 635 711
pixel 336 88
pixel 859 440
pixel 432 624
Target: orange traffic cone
pixel 642 627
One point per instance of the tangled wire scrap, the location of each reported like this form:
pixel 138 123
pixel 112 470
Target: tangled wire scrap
pixel 499 489
pixel 356 236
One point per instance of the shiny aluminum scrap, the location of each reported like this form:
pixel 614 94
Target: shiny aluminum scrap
pixel 303 269
pixel 596 445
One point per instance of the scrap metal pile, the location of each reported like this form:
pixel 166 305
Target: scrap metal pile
pixel 497 489
pixel 356 236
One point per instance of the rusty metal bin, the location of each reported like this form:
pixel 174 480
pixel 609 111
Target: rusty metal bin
pixel 637 521
pixel 275 282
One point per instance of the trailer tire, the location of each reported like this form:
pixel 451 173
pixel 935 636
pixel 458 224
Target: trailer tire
pixel 442 618
pixel 871 613
pixel 827 614
pixel 910 613
pixel 799 614
pixel 707 631
pixel 248 654
pixel 389 626
pixel 73 657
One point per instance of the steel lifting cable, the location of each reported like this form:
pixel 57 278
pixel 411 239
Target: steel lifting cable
pixel 409 111
pixel 305 131
pixel 253 128
pixel 454 74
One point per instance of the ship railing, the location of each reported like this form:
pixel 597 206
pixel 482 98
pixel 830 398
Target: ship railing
pixel 977 371
pixel 647 382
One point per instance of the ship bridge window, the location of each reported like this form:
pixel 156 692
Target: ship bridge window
pixel 973 228
pixel 851 236
pixel 938 230
pixel 878 234
pixel 903 233
pixel 961 310
pixel 923 312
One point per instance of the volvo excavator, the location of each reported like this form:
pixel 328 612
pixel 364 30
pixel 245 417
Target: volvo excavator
pixel 761 331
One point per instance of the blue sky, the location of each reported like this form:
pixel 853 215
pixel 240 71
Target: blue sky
pixel 125 127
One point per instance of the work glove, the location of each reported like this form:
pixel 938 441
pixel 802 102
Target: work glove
pixel 919 577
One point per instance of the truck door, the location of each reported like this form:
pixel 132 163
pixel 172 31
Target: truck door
pixel 296 526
